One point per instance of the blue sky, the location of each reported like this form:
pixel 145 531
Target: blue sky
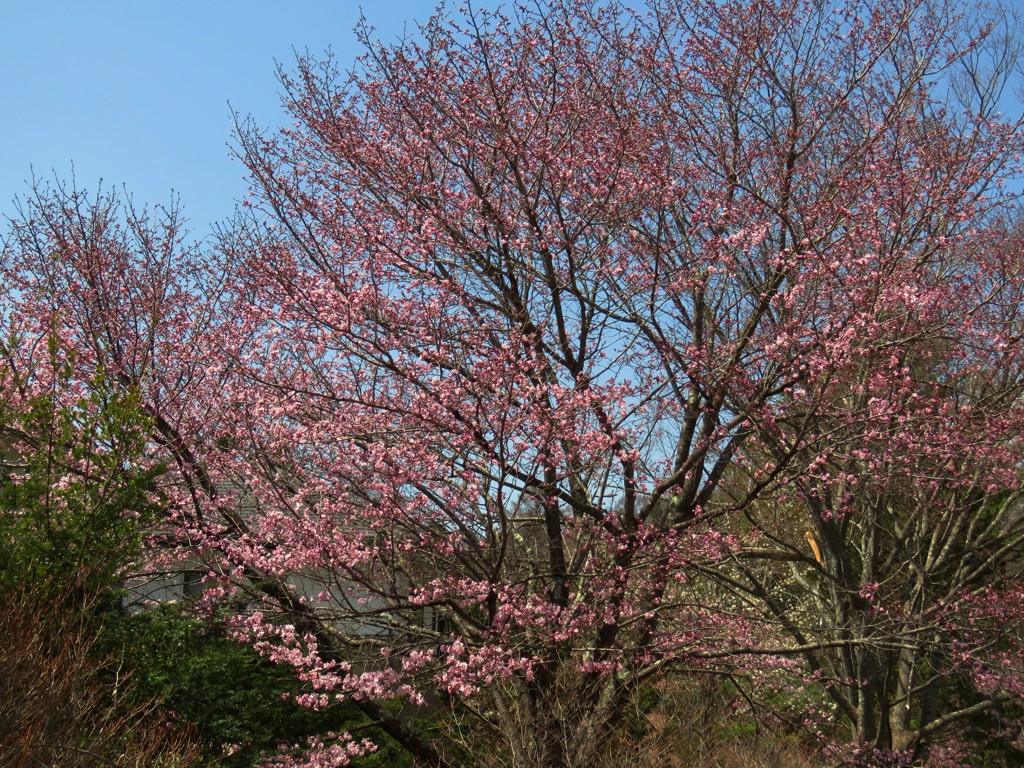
pixel 137 93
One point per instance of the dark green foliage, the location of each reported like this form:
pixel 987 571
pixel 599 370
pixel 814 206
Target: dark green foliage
pixel 224 687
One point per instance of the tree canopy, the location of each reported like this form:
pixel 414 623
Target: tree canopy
pixel 563 349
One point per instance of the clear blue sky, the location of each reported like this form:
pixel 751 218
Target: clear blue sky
pixel 136 92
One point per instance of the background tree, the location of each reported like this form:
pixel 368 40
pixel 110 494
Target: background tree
pixel 78 496
pixel 912 501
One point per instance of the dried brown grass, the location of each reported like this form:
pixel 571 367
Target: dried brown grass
pixel 64 704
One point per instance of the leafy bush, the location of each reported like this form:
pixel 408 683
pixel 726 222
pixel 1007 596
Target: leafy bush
pixel 242 703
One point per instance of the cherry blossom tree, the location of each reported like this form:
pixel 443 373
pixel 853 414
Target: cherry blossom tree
pixel 538 284
pixel 538 317
pixel 898 561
